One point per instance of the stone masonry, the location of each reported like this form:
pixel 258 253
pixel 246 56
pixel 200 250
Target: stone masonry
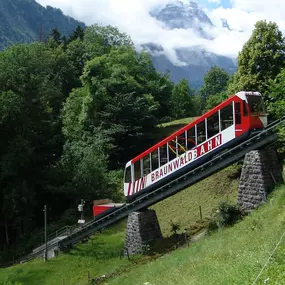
pixel 261 171
pixel 142 228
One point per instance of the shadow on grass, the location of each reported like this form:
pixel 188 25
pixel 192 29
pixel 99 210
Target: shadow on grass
pixel 167 244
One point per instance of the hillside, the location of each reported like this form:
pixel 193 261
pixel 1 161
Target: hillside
pixel 101 255
pixel 233 255
pixel 24 21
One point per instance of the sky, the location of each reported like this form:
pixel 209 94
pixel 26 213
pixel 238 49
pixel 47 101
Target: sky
pixel 132 17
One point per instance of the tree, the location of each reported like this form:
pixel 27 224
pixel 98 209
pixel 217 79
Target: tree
pixel 214 100
pixel 99 40
pixel 32 90
pixel 276 106
pixel 87 163
pixel 78 33
pixel 214 90
pixel 56 36
pixel 261 59
pixel 215 81
pixel 121 96
pixel 181 103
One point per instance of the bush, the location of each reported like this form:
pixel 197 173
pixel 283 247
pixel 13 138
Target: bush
pixel 227 215
pixel 175 227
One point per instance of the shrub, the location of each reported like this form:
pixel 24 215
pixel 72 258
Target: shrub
pixel 226 215
pixel 175 227
pixel 229 214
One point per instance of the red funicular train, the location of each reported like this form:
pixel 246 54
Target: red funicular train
pixel 224 126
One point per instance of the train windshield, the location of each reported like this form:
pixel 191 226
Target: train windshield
pixel 128 175
pixel 256 105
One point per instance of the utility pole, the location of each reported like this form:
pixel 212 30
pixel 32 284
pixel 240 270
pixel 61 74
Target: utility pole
pixel 45 254
pixel 82 213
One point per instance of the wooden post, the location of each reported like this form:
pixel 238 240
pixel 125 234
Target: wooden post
pixel 62 281
pixel 88 276
pixel 200 208
pixel 128 254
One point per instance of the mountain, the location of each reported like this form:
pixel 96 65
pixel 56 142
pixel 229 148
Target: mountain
pixel 178 15
pixel 196 61
pixel 24 21
pixel 225 24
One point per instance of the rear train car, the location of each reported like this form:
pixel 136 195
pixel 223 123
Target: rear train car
pixel 224 126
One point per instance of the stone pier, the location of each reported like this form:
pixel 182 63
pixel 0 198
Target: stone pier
pixel 142 228
pixel 261 171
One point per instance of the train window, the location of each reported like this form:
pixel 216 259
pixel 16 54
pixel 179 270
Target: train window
pixel 181 144
pixel 191 141
pixel 201 132
pixel 154 160
pixel 245 111
pixel 128 175
pixel 256 105
pixel 237 113
pixel 213 125
pixel 146 165
pixel 172 149
pixel 227 116
pixel 163 155
pixel 137 168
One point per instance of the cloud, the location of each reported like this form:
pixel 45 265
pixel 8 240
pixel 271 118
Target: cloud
pixel 215 1
pixel 132 17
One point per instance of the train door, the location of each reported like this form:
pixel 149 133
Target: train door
pixel 241 118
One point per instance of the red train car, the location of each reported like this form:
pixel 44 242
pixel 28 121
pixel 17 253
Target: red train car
pixel 106 208
pixel 224 126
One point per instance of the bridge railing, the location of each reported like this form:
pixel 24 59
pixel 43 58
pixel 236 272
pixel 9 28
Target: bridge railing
pixel 64 231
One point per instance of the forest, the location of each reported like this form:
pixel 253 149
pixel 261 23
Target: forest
pixel 74 110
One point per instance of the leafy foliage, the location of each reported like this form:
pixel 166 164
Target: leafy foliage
pixel 227 215
pixel 214 100
pixel 120 95
pixel 261 59
pixel 73 111
pixel 32 90
pixel 182 100
pixel 214 90
pixel 276 106
pixel 175 227
pixel 215 81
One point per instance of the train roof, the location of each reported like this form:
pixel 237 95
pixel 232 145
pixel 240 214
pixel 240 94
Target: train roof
pixel 242 95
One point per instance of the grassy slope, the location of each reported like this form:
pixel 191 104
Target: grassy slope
pixel 183 121
pixel 183 208
pixel 168 128
pixel 101 255
pixel 231 256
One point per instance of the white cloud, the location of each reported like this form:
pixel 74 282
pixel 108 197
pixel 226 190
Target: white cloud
pixel 215 1
pixel 132 17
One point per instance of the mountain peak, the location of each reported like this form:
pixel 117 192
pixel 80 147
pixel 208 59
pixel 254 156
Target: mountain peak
pixel 225 24
pixel 179 15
